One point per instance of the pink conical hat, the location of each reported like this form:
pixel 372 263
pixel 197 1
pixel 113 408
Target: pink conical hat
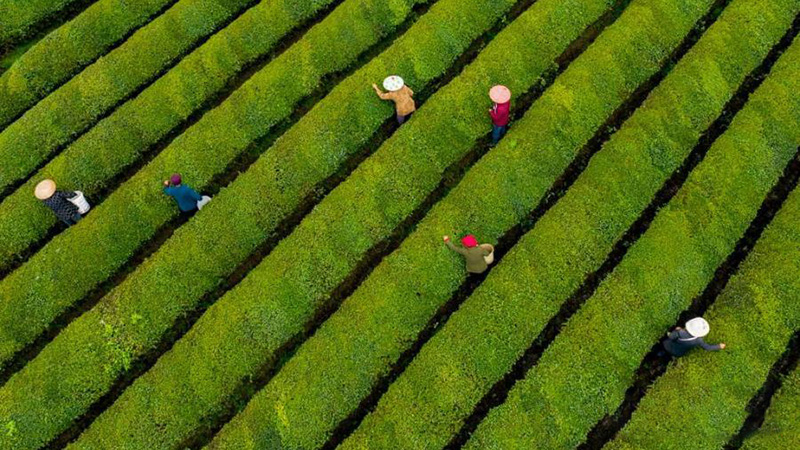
pixel 500 94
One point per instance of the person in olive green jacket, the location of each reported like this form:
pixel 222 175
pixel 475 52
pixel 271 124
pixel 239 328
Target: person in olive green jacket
pixel 473 253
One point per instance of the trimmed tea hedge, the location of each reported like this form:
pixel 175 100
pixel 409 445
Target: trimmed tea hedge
pixel 76 261
pixel 275 301
pixel 119 141
pixel 68 49
pixel 222 237
pixel 332 372
pixel 55 121
pixel 584 373
pixel 238 220
pixel 18 18
pixel 480 343
pixel 755 316
pixel 780 430
pixel 127 135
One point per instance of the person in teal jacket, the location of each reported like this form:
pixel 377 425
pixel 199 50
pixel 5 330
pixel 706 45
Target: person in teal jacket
pixel 185 196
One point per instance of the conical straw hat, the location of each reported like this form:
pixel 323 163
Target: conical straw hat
pixel 698 327
pixel 500 94
pixel 393 83
pixel 45 189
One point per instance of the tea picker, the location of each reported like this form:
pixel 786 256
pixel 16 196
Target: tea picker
pixel 400 94
pixel 501 96
pixel 187 198
pixel 478 257
pixel 68 206
pixel 681 340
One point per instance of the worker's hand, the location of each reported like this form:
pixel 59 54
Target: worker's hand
pixel 446 238
pixel 722 346
pixel 166 183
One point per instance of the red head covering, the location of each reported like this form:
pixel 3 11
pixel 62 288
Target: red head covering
pixel 469 241
pixel 175 179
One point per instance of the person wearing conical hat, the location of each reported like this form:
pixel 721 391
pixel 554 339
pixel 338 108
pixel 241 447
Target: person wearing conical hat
pixel 681 340
pixel 400 94
pixel 501 96
pixel 187 198
pixel 474 254
pixel 58 201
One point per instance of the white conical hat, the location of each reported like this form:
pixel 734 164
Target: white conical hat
pixel 698 327
pixel 393 83
pixel 45 189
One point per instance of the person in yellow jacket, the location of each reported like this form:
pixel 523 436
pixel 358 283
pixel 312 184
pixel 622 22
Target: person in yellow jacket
pixel 400 94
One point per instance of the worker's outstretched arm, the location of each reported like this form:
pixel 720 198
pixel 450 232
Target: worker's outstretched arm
pixel 456 249
pixel 709 347
pixel 381 94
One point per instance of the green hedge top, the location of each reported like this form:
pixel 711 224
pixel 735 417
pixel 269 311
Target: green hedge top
pixel 481 342
pixel 584 374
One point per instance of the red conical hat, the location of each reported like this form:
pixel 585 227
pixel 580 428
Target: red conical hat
pixel 469 241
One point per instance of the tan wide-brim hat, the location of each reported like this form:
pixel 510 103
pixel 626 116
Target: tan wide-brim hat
pixel 500 94
pixel 45 189
pixel 698 327
pixel 393 83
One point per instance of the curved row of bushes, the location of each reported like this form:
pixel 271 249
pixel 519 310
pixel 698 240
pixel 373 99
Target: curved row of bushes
pixel 94 161
pixel 84 256
pixel 68 49
pixel 780 430
pixel 756 315
pixel 327 378
pixel 481 342
pixel 77 105
pixel 584 374
pixel 19 18
pixel 243 216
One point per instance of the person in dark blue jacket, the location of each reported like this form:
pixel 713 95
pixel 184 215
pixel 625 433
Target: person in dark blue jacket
pixel 58 201
pixel 185 196
pixel 680 341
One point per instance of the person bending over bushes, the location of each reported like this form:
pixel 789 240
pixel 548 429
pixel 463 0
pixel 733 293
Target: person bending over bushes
pixel 400 94
pixel 68 206
pixel 187 198
pixel 680 341
pixel 478 257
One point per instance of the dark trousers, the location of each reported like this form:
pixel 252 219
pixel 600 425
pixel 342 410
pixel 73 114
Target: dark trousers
pixel 402 119
pixel 498 132
pixel 188 214
pixel 71 220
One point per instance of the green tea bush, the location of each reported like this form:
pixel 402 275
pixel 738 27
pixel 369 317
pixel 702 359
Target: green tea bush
pixel 84 256
pixel 68 49
pixel 77 105
pixel 585 372
pixel 482 341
